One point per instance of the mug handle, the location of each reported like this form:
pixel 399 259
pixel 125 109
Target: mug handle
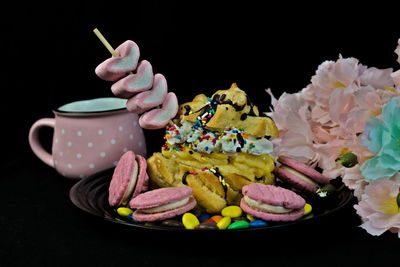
pixel 34 142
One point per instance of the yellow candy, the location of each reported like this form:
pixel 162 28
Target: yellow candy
pixel 250 218
pixel 231 211
pixel 307 209
pixel 124 211
pixel 190 221
pixel 224 223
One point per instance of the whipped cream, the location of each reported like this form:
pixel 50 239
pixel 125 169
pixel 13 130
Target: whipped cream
pixel 231 140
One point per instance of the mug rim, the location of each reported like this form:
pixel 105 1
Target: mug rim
pixel 89 113
pixel 94 111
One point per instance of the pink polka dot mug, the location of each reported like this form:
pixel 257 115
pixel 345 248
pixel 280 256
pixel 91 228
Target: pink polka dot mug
pixel 89 136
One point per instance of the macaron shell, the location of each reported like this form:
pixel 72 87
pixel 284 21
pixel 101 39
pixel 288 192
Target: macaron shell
pixel 121 178
pixel 146 217
pixel 161 196
pixel 273 195
pixel 283 217
pixel 295 181
pixel 143 177
pixel 305 169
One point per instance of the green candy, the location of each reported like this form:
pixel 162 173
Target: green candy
pixel 239 225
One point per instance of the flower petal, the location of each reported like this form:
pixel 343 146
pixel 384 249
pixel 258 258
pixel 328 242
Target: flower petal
pixel 372 138
pixel 378 78
pixel 367 226
pixel 372 170
pixel 390 113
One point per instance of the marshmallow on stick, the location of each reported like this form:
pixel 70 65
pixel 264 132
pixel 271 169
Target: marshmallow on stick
pixel 143 90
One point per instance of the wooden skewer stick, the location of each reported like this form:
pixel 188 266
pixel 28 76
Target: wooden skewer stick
pixel 105 43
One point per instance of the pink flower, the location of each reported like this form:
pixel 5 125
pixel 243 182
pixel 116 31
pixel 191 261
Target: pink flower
pixel 353 179
pixel 379 206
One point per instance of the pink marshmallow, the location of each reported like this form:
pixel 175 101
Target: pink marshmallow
pixel 149 99
pixel 135 83
pixel 159 118
pixel 115 68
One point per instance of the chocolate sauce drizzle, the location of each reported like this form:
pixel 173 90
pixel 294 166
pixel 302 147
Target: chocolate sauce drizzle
pixel 217 174
pixel 187 108
pixel 184 178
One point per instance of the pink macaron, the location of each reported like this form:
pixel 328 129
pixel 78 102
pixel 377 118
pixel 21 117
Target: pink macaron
pixel 272 203
pixel 300 175
pixel 162 203
pixel 129 179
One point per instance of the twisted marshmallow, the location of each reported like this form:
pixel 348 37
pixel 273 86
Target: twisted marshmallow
pixel 143 90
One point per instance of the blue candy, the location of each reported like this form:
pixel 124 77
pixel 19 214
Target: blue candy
pixel 258 223
pixel 203 217
pixel 131 218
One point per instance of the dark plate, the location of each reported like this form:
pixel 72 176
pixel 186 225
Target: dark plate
pixel 91 195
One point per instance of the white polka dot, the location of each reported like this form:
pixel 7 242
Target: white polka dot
pixel 56 140
pixel 120 128
pixel 82 176
pixel 79 133
pixel 113 141
pixel 91 166
pixel 140 144
pixel 131 136
pixel 115 163
pixel 100 132
pixel 102 154
pixel 90 144
pixel 69 144
pixel 55 162
pixel 69 165
pixel 61 153
pixel 125 149
pixel 79 155
pixel 62 131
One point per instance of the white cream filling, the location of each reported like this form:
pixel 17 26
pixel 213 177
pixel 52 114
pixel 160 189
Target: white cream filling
pixel 129 191
pixel 299 175
pixel 169 206
pixel 265 207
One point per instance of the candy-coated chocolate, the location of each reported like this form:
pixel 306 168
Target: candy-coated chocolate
pixel 190 221
pixel 232 211
pixel 210 221
pixel 207 226
pixel 309 216
pixel 239 219
pixel 130 217
pixel 124 211
pixel 216 218
pixel 239 225
pixel 203 217
pixel 250 218
pixel 172 223
pixel 307 209
pixel 224 223
pixel 258 223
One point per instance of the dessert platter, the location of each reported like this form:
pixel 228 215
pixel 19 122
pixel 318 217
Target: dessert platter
pixel 217 169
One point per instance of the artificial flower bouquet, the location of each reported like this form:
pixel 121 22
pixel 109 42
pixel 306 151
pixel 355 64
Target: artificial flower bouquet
pixel 347 122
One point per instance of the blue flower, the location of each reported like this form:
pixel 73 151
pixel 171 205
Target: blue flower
pixel 382 137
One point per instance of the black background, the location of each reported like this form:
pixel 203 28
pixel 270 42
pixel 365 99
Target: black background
pixel 49 53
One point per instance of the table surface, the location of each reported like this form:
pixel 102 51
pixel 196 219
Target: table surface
pixel 39 225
